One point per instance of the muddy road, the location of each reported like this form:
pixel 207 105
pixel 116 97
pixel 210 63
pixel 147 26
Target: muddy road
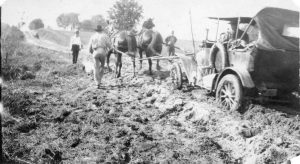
pixel 138 119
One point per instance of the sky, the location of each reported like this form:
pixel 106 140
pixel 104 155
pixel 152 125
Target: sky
pixel 168 15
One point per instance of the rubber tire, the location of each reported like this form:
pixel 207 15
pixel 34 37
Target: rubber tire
pixel 234 80
pixel 176 69
pixel 218 48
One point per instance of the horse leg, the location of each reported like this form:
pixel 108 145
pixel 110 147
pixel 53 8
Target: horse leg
pixel 150 66
pixel 157 65
pixel 116 72
pixel 133 62
pixel 107 59
pixel 120 65
pixel 141 56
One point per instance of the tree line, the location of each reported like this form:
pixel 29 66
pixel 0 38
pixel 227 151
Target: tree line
pixel 123 15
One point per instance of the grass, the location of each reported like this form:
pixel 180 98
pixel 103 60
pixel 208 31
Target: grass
pixel 25 105
pixel 62 37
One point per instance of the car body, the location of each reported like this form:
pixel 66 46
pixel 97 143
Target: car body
pixel 266 66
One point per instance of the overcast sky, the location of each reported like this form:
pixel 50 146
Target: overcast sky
pixel 168 14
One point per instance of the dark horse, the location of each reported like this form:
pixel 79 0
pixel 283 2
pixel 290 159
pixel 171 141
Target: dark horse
pixel 151 42
pixel 125 42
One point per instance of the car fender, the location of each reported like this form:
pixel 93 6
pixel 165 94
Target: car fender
pixel 242 74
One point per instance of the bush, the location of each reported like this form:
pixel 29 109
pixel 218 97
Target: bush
pixel 22 64
pixel 10 39
pixel 18 102
pixel 11 72
pixel 36 24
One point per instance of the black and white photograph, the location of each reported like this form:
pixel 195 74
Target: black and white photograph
pixel 150 81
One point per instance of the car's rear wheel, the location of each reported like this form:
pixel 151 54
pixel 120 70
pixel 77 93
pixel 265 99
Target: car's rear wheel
pixel 229 93
pixel 176 76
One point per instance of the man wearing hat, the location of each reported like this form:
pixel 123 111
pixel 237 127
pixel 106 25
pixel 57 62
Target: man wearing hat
pixel 75 46
pixel 99 45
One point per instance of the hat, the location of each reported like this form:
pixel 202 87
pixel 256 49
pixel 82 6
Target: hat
pixel 99 28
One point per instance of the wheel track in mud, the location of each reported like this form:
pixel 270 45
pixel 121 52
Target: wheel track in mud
pixel 142 120
pixel 133 128
pixel 138 131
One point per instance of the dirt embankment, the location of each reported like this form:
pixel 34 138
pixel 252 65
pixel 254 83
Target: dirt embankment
pixel 60 116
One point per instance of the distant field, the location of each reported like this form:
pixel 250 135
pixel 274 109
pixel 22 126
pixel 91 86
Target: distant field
pixel 63 38
pixel 188 45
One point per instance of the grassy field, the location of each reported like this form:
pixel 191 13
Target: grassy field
pixel 42 73
pixel 63 38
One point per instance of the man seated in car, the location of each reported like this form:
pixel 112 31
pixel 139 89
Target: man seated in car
pixel 243 41
pixel 224 37
pixel 251 33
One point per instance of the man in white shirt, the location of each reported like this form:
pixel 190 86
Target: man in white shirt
pixel 99 45
pixel 75 46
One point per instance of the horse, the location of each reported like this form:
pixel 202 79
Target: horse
pixel 151 42
pixel 123 42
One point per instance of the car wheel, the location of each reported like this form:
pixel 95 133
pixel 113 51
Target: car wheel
pixel 176 76
pixel 229 93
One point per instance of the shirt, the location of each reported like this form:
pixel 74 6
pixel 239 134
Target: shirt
pixel 100 40
pixel 171 40
pixel 75 40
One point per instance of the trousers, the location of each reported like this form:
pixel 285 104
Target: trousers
pixel 75 51
pixel 75 56
pixel 99 56
pixel 171 50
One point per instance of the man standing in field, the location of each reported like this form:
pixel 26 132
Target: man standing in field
pixel 170 41
pixel 99 45
pixel 75 46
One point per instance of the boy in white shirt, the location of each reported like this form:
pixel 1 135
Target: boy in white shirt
pixel 75 46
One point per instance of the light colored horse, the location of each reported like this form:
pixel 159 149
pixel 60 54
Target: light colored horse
pixel 123 42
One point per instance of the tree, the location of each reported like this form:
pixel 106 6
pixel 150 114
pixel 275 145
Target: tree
pixel 98 20
pixel 36 24
pixel 125 14
pixel 91 24
pixel 11 37
pixel 67 19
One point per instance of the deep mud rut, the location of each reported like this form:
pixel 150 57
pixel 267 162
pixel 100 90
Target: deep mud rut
pixel 143 120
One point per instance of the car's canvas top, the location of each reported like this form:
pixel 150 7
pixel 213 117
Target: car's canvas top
pixel 278 29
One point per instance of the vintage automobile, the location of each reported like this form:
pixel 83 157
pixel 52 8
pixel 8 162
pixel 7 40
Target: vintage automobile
pixel 267 66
